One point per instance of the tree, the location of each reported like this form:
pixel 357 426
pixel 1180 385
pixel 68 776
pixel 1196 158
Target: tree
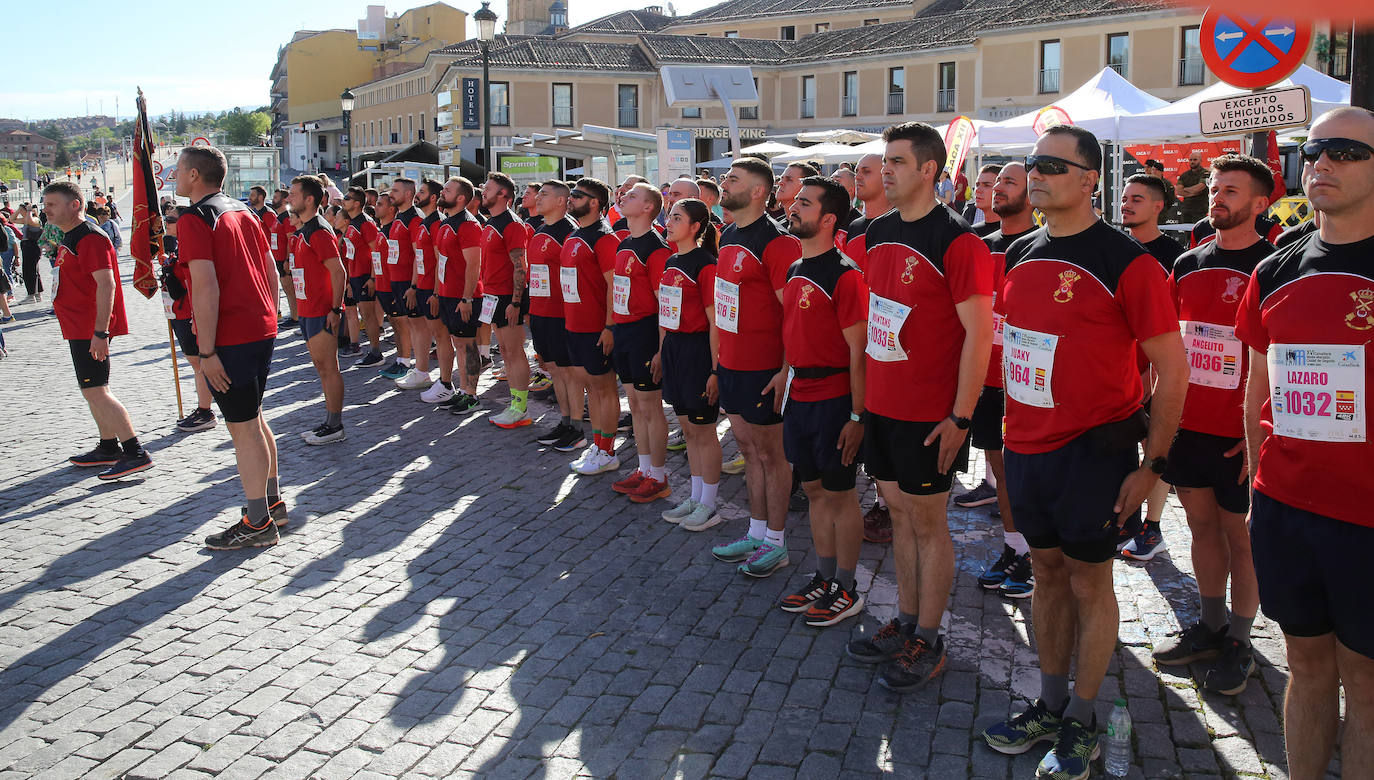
pixel 243 128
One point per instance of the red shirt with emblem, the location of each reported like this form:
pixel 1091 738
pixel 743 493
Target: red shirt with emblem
pixel 503 234
pixel 1310 307
pixel 998 242
pixel 1207 285
pixel 639 266
pixel 455 234
pixel 1075 308
pixel 268 219
pixel 359 238
pixel 917 272
pixel 422 243
pixel 223 231
pixel 279 237
pixel 312 245
pixel 400 247
pixel 751 271
pixel 854 243
pixel 692 277
pixel 588 255
pixel 823 296
pixel 85 250
pixel 382 281
pixel 543 251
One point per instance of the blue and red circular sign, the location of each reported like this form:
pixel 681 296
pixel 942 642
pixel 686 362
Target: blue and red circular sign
pixel 1252 52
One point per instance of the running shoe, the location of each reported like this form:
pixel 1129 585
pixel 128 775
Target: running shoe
pixel 100 456
pixel 630 483
pixel 1075 748
pixel 879 646
pixel 325 434
pixel 350 351
pixel 276 511
pixel 1128 531
pixel 539 381
pixel 626 423
pixel 393 371
pixel 1146 544
pixel 485 361
pixel 982 495
pixel 878 525
pixel 918 663
pixel 598 461
pixel 650 490
pixel 677 442
pixel 462 403
pixel 802 599
pixel 414 379
pixel 289 322
pixel 512 418
pixel 1231 672
pixel 798 502
pixel 126 465
pixel 996 574
pixel 369 360
pixel 197 420
pixel 552 435
pixel 1021 733
pixel 738 550
pixel 680 511
pixel 701 518
pixel 240 536
pixel 1196 643
pixel 500 373
pixel 1020 581
pixel 837 605
pixel 7 318
pixel 572 439
pixel 735 466
pixel 767 558
pixel 436 394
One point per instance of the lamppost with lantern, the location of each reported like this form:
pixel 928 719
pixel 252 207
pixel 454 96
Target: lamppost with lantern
pixel 346 101
pixel 486 33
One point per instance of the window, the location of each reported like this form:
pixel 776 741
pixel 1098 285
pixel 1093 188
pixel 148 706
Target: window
pixel 808 97
pixel 896 90
pixel 692 113
pixel 1190 66
pixel 500 103
pixel 410 128
pixel 422 127
pixel 945 93
pixel 1049 66
pixel 849 105
pixel 751 112
pixel 822 26
pixel 732 33
pixel 1118 45
pixel 322 141
pixel 787 33
pixel 1338 54
pixel 562 105
pixel 627 104
pixel 870 22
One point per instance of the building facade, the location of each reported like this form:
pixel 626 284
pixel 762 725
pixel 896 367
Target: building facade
pixel 20 145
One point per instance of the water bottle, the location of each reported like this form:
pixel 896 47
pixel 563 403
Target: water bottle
pixel 1118 760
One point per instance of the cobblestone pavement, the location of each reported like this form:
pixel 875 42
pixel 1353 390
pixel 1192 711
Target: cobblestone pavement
pixel 449 600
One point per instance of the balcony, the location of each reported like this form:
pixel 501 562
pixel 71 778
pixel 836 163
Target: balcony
pixel 849 105
pixel 627 116
pixel 749 112
pixel 1191 71
pixel 896 102
pixel 808 108
pixel 1118 66
pixel 1049 80
pixel 945 98
pixel 500 115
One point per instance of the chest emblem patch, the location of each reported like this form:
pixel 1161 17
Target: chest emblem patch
pixel 909 275
pixel 1362 318
pixel 1067 279
pixel 804 302
pixel 1232 293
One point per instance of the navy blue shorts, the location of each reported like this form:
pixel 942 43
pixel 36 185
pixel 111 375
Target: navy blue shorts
pixel 457 326
pixel 247 366
pixel 986 431
pixel 1312 572
pixel 357 290
pixel 895 451
pixel 586 353
pixel 498 314
pixel 89 371
pixel 313 326
pixel 1198 460
pixel 395 304
pixel 421 308
pixel 686 359
pixel 186 337
pixel 550 336
pixel 636 343
pixel 741 393
pixel 1064 498
pixel 810 431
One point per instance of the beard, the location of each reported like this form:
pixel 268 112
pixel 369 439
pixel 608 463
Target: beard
pixel 446 205
pixel 1011 207
pixel 1229 220
pixel 803 229
pixel 734 201
pixel 580 210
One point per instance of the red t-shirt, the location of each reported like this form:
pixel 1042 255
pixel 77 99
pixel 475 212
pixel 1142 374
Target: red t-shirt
pixel 1268 228
pixel 279 237
pixel 750 273
pixel 1207 285
pixel 181 308
pixel 84 251
pixel 917 272
pixel 1075 308
pixel 638 267
pixel 823 296
pixel 1310 307
pixel 503 234
pixel 457 233
pixel 422 239
pixel 621 228
pixel 998 242
pixel 543 252
pixel 854 243
pixel 268 219
pixel 312 245
pixel 382 280
pixel 223 231
pixel 400 247
pixel 588 255
pixel 684 292
pixel 359 238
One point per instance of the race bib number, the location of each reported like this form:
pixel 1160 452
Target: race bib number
pixel 1317 391
pixel 420 262
pixel 298 276
pixel 273 236
pixel 442 261
pixel 1028 366
pixel 885 321
pixel 540 284
pixel 488 309
pixel 620 295
pixel 349 249
pixel 393 251
pixel 727 306
pixel 567 276
pixel 670 307
pixel 1214 354
pixel 376 263
pixel 167 304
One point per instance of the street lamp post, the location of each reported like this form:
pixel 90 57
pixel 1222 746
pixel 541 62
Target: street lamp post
pixel 346 100
pixel 486 33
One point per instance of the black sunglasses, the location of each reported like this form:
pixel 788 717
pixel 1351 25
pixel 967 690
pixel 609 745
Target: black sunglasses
pixel 1337 150
pixel 1052 166
pixel 579 194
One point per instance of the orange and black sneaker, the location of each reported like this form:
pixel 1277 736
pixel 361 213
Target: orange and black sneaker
pixel 918 663
pixel 880 646
pixel 837 605
pixel 809 594
pixel 629 484
pixel 650 489
pixel 100 456
pixel 275 511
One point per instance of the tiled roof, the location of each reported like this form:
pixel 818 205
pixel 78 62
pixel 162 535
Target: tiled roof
pixel 752 9
pixel 548 53
pixel 470 46
pixel 626 22
pixel 717 51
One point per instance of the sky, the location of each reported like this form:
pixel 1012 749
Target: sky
pixel 211 59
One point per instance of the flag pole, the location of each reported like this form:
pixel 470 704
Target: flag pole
pixel 148 231
pixel 176 373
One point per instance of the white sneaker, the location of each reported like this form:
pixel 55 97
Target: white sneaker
pixel 324 435
pixel 680 511
pixel 436 394
pixel 582 459
pixel 599 462
pixel 701 518
pixel 414 379
pixel 511 418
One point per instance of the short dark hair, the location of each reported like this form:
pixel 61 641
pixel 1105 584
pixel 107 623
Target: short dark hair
pixel 373 192
pixel 707 184
pixel 432 186
pixel 834 198
pixel 208 161
pixel 464 186
pixel 558 184
pixel 598 189
pixel 67 188
pixel 310 188
pixel 806 168
pixel 404 182
pixel 757 167
pixel 925 141
pixel 990 168
pixel 1262 174
pixel 259 190
pixel 1087 146
pixel 504 182
pixel 1153 183
pixel 357 193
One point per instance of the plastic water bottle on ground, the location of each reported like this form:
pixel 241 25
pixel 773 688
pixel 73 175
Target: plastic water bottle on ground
pixel 1118 755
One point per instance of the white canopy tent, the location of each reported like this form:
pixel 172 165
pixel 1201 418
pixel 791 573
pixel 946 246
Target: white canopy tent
pixel 835 136
pixel 1096 106
pixel 826 153
pixel 1180 118
pixel 770 149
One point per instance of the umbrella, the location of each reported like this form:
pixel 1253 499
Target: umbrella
pixel 825 153
pixel 835 137
pixel 770 149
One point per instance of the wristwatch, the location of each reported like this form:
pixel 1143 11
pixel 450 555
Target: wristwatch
pixel 100 334
pixel 856 417
pixel 1158 465
pixel 338 310
pixel 962 423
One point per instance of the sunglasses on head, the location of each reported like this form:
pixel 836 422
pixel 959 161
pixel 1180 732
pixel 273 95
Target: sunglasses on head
pixel 1052 166
pixel 1337 150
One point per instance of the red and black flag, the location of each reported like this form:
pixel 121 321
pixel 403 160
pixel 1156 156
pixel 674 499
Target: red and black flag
pixel 148 230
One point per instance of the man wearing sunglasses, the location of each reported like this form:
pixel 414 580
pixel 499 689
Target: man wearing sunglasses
pixel 1308 318
pixel 1078 298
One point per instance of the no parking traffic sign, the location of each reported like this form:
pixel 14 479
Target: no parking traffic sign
pixel 1252 52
